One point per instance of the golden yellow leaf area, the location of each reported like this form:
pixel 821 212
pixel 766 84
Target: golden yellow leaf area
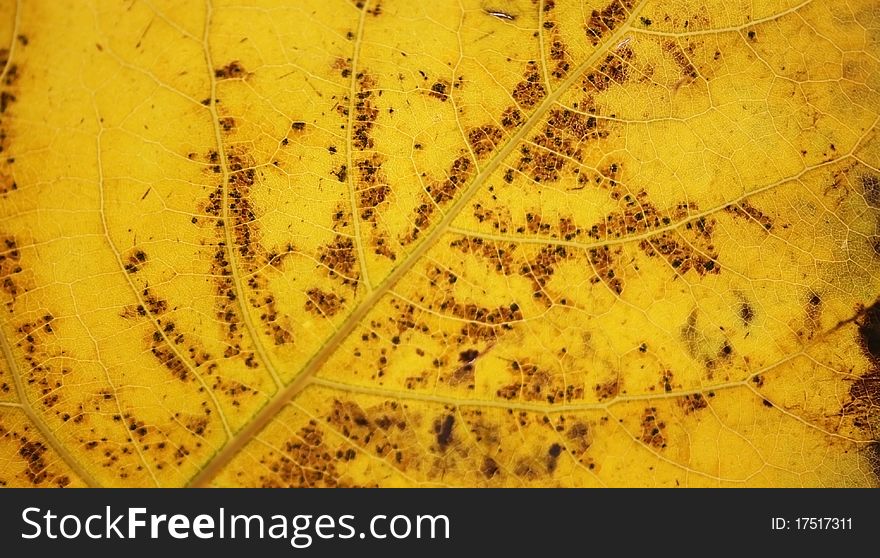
pixel 402 243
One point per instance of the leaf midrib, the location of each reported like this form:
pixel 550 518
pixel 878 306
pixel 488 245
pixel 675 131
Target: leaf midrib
pixel 282 397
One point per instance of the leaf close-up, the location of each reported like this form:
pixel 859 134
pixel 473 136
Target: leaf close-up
pixel 518 243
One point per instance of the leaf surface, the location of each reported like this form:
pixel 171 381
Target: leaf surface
pixel 398 243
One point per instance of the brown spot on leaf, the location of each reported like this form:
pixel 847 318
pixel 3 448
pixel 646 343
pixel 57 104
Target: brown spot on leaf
pixel 135 260
pixel 483 323
pixel 871 189
pixel 559 54
pixel 653 429
pixel 443 428
pixel 464 373
pixel 543 266
pixel 489 468
pixel 578 438
pixel 530 90
pixel 536 384
pixel 306 461
pixel 373 188
pixel 484 139
pixel 33 453
pixel 614 69
pixel 341 174
pixel 745 210
pixel 441 192
pixel 6 99
pixel 666 380
pixel 375 10
pixel 10 269
pixel 499 254
pixel 604 21
pixel 323 303
pixel 869 330
pixel 692 403
pixel 365 112
pixel 440 90
pixel 746 312
pixel 511 118
pixel 682 58
pixel 232 70
pixel 227 123
pixel 12 73
pixel 639 215
pixel 561 140
pixel 341 260
pixel 608 389
pixel 864 402
pixel 553 454
pixel 603 260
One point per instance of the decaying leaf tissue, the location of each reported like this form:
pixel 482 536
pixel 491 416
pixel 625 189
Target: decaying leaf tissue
pixel 400 243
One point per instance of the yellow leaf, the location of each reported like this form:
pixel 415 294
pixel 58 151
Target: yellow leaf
pixel 401 243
